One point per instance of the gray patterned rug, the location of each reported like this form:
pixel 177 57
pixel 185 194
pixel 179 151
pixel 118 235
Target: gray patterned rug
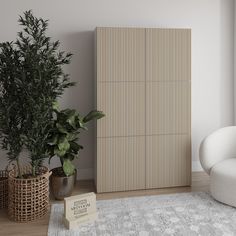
pixel 175 214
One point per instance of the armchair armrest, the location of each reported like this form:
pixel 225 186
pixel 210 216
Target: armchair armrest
pixel 218 146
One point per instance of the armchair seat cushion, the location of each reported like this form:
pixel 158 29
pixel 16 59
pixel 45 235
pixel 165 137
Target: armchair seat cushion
pixel 223 181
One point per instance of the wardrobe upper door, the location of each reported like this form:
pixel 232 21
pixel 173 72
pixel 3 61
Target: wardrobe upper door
pixel 168 54
pixel 168 81
pixel 120 54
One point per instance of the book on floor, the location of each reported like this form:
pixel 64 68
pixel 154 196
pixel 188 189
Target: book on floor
pixel 79 209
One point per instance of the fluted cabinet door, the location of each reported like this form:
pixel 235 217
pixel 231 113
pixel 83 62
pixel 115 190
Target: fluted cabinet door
pixel 121 96
pixel 168 55
pixel 120 54
pixel 124 106
pixel 168 107
pixel 168 160
pixel 121 164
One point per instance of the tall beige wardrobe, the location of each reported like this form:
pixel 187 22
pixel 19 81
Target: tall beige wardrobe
pixel 143 85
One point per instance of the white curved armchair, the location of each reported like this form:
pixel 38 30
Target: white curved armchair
pixel 218 159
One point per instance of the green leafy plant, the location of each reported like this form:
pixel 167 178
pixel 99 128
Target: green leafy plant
pixel 10 117
pixel 31 80
pixel 65 135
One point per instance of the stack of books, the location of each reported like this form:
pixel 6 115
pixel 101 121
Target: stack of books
pixel 79 209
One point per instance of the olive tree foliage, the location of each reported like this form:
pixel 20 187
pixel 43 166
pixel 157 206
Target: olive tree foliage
pixel 31 80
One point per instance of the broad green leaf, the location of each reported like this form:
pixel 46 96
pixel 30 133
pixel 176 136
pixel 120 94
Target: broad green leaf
pixel 82 124
pixel 70 156
pixel 61 128
pixel 75 146
pixel 59 153
pixel 68 167
pixel 69 112
pixel 63 144
pixel 93 115
pixel 71 121
pixel 72 136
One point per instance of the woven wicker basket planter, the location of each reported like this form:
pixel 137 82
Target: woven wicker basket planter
pixel 28 198
pixel 3 189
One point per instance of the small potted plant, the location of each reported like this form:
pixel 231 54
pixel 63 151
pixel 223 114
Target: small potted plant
pixel 64 144
pixel 31 79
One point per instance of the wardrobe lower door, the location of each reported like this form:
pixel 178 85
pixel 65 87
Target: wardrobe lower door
pixel 120 164
pixel 168 161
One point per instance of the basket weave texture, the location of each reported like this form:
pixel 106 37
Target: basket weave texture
pixel 3 188
pixel 28 198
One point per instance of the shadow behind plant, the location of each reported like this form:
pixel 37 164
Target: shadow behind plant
pixel 64 137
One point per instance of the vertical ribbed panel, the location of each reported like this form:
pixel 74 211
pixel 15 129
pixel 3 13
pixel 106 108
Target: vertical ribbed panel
pixel 168 107
pixel 120 54
pixel 121 163
pixel 144 88
pixel 168 54
pixel 121 96
pixel 124 106
pixel 168 161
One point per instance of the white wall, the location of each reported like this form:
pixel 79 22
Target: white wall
pixel 73 23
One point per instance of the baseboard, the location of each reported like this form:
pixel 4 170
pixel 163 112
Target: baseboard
pixel 83 174
pixel 196 166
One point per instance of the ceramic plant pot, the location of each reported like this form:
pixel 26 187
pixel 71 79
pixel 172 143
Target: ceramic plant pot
pixel 62 186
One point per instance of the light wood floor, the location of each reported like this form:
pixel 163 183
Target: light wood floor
pixel 200 182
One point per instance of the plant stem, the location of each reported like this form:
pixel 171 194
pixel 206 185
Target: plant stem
pixel 33 170
pixel 61 160
pixel 18 167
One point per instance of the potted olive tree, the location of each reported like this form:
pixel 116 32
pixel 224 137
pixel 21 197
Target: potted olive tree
pixel 10 121
pixel 31 79
pixel 64 144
